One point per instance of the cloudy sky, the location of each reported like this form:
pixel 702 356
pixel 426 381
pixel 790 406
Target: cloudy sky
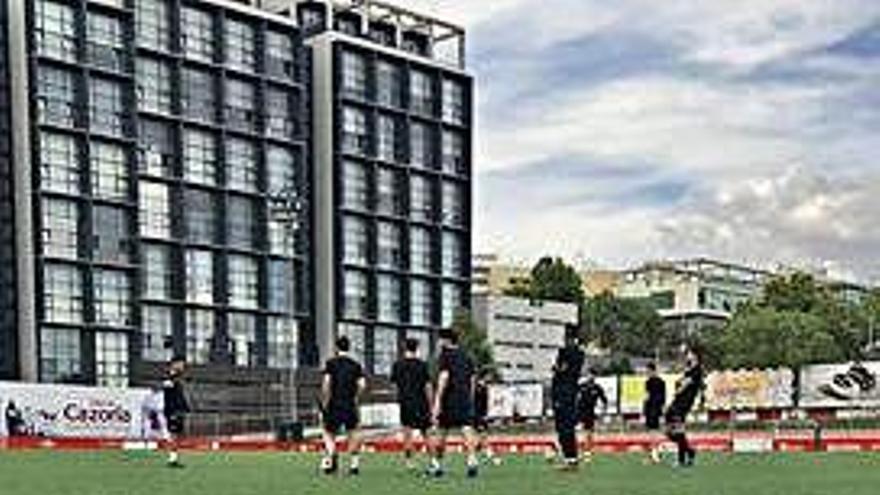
pixel 618 131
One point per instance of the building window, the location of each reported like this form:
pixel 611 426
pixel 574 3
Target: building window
pixel 60 228
pixel 421 199
pixel 421 93
pixel 279 295
pixel 452 255
pixel 279 120
pixel 355 294
pixel 354 183
pixel 111 359
pixel 59 163
pixel 154 210
pixel 154 92
pixel 198 96
pixel 112 298
pixel 199 216
pixel 109 171
pixel 354 75
pixel 421 149
pixel 199 334
pixel 155 149
pixel 56 97
pixel 199 157
pixel 389 246
pixel 389 88
pixel 388 298
pixel 240 45
pixel 355 241
pixel 388 192
pixel 387 138
pixel 421 303
pixel 158 330
pixel 55 30
pixel 453 102
pixel 451 304
pixel 241 165
pixel 244 282
pixel 282 343
pixel 63 294
pixel 240 222
pixel 199 276
pixel 243 337
pixel 60 354
pixel 106 111
pixel 280 59
pixel 153 24
pixel 355 139
pixel 239 105
pixel 453 153
pixel 112 234
pixel 453 203
pixel 357 336
pixel 281 240
pixel 197 32
pixel 280 168
pixel 420 250
pixel 384 350
pixel 106 42
pixel 156 275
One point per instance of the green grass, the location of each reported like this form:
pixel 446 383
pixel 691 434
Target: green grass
pixel 106 473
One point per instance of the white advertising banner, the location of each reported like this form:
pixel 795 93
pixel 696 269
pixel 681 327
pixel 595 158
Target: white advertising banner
pixel 610 385
pixel 841 385
pixel 523 400
pixel 74 411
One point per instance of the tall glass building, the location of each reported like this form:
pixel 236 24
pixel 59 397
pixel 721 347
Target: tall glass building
pixel 236 182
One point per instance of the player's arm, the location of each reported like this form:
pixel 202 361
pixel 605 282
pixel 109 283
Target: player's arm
pixel 361 388
pixel 604 399
pixel 442 383
pixel 326 385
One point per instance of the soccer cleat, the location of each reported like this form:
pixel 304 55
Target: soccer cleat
pixel 175 465
pixel 329 465
pixel 473 471
pixel 434 472
pixel 354 471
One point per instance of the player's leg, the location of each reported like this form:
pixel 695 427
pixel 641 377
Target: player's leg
pixel 676 433
pixel 408 446
pixel 329 462
pixel 175 429
pixel 589 427
pixel 439 451
pixel 471 441
pixel 354 448
pixel 567 429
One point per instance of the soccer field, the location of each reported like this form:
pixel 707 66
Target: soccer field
pixel 118 473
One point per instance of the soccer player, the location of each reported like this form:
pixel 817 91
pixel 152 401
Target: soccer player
pixel 341 388
pixel 591 394
pixel 413 381
pixel 655 400
pixel 564 393
pixel 481 417
pixel 175 408
pixel 453 406
pixel 687 390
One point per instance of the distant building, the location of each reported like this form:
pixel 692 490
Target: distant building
pixel 525 335
pixel 493 276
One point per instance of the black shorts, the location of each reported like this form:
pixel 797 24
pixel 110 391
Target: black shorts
pixel 588 422
pixel 175 423
pixel 652 421
pixel 416 418
pixel 456 417
pixel 481 424
pixel 675 419
pixel 335 420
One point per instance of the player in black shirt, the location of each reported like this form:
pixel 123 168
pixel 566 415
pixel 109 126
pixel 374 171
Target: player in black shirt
pixel 413 381
pixel 453 406
pixel 589 396
pixel 687 390
pixel 175 407
pixel 655 400
pixel 341 388
pixel 481 416
pixel 564 392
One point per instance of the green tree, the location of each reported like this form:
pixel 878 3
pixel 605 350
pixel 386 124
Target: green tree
pixel 762 337
pixel 624 326
pixel 554 280
pixel 474 342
